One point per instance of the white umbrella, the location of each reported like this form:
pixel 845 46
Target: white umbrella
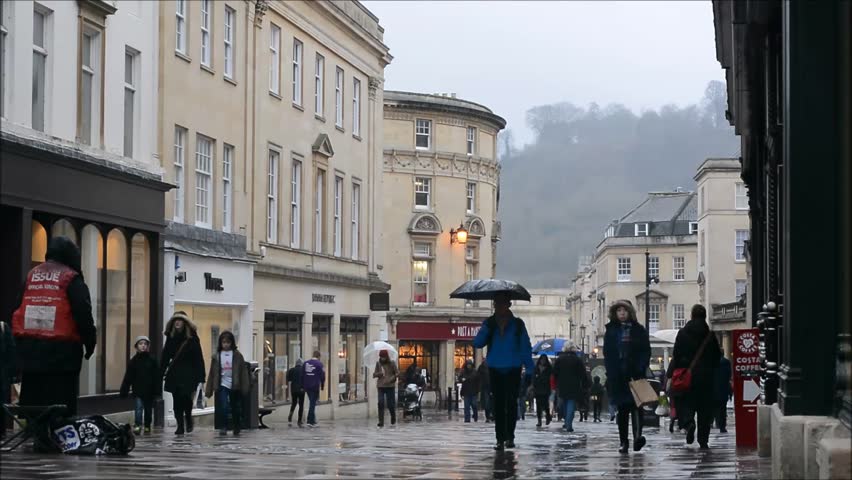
pixel 668 335
pixel 371 352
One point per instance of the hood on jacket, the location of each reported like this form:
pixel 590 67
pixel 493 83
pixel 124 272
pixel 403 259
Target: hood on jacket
pixel 613 318
pixel 298 363
pixel 140 338
pixel 62 250
pixel 189 325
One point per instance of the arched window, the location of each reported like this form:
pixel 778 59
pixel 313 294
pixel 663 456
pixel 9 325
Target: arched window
pixel 63 228
pixel 115 330
pixel 140 287
pixel 91 255
pixel 38 244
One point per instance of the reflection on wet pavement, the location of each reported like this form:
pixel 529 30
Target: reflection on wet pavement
pixel 438 447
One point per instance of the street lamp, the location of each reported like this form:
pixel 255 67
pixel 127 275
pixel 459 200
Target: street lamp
pixel 648 280
pixel 583 338
pixel 458 235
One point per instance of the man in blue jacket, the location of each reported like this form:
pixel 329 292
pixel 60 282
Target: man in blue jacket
pixel 508 350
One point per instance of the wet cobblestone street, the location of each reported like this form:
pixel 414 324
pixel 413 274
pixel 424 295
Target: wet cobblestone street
pixel 434 448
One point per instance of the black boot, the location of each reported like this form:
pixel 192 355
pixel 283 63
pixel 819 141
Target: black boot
pixel 189 423
pixel 625 446
pixel 638 439
pixel 179 421
pixel 381 417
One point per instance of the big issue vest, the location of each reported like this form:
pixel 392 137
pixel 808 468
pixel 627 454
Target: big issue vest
pixel 45 312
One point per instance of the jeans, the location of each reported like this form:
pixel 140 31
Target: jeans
pixel 144 407
pixel 387 398
pixel 505 386
pixel 297 398
pixel 470 403
pixel 542 406
pixel 228 402
pixel 313 396
pixel 568 407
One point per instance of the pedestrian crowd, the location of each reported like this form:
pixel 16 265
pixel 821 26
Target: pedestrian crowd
pixel 47 352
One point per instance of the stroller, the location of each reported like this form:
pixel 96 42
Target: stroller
pixel 412 401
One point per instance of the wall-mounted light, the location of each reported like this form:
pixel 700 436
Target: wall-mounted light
pixel 459 235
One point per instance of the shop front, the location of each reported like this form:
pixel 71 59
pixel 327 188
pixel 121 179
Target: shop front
pixel 440 348
pixel 334 320
pixel 118 226
pixel 209 277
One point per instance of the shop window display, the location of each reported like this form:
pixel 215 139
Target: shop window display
pixel 352 381
pixel 463 352
pixel 422 354
pixel 321 340
pixel 211 321
pixel 123 263
pixel 282 346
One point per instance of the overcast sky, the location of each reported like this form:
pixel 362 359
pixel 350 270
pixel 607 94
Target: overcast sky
pixel 510 56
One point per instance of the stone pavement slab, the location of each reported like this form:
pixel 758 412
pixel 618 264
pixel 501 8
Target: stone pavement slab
pixel 437 448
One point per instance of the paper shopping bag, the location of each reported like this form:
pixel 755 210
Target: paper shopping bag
pixel 642 392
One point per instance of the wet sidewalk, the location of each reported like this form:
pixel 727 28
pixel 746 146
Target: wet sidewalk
pixel 438 447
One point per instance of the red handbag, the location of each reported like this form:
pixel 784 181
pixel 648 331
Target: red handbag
pixel 682 377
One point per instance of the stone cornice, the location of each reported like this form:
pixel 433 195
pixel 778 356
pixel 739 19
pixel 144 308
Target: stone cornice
pixel 442 164
pixel 371 282
pixel 346 24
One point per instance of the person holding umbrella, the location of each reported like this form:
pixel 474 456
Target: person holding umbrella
pixel 509 349
pixel 386 373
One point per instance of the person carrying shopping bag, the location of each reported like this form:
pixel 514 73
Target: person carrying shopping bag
pixel 627 354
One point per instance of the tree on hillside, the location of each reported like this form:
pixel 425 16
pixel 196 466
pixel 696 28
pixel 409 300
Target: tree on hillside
pixel 590 165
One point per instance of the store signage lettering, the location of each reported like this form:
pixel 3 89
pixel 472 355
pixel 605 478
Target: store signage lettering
pixel 322 298
pixel 436 331
pixel 212 283
pixel 463 331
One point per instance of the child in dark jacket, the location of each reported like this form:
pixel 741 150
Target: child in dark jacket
pixel 143 375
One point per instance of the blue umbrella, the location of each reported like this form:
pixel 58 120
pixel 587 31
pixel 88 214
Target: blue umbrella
pixel 550 346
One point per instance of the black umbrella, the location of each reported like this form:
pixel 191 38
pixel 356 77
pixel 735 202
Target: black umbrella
pixel 488 289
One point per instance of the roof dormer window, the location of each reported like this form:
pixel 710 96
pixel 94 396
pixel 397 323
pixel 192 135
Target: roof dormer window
pixel 641 229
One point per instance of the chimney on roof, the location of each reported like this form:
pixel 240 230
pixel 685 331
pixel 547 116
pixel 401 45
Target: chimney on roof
pixel 453 95
pixel 679 190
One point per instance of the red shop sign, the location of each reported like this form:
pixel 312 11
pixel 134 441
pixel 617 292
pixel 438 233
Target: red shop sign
pixel 746 366
pixel 436 331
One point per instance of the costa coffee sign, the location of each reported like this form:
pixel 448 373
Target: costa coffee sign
pixel 436 331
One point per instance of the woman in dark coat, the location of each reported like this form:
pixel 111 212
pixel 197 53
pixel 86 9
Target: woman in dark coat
pixel 183 367
pixel 541 387
pixel 627 354
pixel 570 376
pixel 700 399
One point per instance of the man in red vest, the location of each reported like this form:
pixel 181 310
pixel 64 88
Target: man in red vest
pixel 52 326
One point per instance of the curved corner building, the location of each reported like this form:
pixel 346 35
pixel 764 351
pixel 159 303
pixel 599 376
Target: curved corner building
pixel 440 173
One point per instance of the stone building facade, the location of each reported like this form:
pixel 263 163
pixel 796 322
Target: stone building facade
pixel 722 236
pixel 79 108
pixel 440 175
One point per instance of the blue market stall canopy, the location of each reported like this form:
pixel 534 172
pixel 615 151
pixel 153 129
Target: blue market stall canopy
pixel 550 346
